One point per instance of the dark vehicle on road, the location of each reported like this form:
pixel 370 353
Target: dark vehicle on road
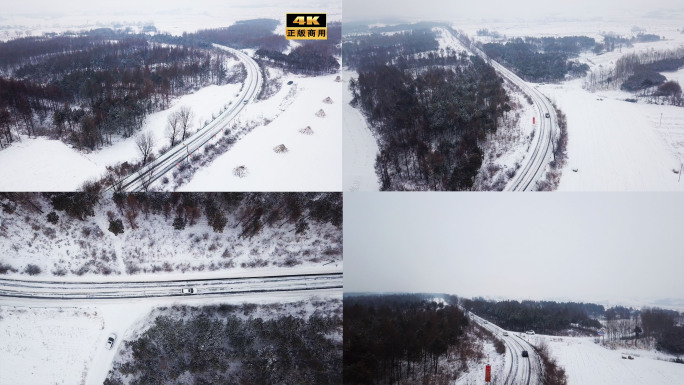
pixel 524 353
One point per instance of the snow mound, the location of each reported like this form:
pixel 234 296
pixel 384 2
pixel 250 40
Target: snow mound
pixel 327 100
pixel 240 171
pixel 280 149
pixel 306 130
pixel 320 113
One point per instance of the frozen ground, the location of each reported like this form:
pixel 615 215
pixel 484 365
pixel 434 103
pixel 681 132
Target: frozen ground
pixel 77 249
pixel 42 164
pixel 618 145
pixel 313 161
pixel 50 342
pixel 359 144
pixel 586 362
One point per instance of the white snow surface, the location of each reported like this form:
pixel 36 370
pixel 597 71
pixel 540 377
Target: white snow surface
pixel 359 144
pixel 588 363
pixel 312 162
pixel 42 164
pixel 618 145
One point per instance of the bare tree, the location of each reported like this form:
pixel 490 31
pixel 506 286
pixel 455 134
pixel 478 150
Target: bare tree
pixel 145 143
pixel 185 116
pixel 173 129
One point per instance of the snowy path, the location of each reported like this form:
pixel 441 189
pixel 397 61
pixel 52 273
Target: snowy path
pixel 360 147
pixel 127 290
pixel 142 179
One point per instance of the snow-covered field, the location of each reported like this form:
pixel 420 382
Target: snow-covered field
pixel 313 161
pixel 618 145
pixel 42 164
pixel 612 144
pixel 53 342
pixel 586 362
pixel 48 346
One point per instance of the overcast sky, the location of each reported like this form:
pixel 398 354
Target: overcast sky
pixel 578 246
pixel 504 9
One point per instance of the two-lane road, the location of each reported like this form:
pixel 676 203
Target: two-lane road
pixel 518 370
pixel 146 289
pixel 533 168
pixel 143 178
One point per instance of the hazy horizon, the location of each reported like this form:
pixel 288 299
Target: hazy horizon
pixel 435 10
pixel 590 247
pixel 174 16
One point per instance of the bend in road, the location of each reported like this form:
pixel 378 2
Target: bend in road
pixel 522 370
pixel 541 151
pixel 152 171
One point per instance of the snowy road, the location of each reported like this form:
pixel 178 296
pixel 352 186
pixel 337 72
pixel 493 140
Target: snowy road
pixel 540 153
pixel 518 370
pixel 141 180
pixel 126 290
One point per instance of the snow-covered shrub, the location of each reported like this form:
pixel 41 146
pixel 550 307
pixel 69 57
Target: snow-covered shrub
pixel 240 171
pixel 52 217
pixel 32 269
pixel 306 130
pixel 280 149
pixel 116 226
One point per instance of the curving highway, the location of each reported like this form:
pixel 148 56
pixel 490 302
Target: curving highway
pixel 172 288
pixel 541 150
pixel 141 180
pixel 519 370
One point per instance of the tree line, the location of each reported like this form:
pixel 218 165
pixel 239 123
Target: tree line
pixel 664 327
pixel 217 345
pixel 430 119
pixel 392 339
pixel 377 49
pixel 546 317
pixel 85 93
pixel 538 60
pixel 252 212
pixel 310 57
pixel 640 74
